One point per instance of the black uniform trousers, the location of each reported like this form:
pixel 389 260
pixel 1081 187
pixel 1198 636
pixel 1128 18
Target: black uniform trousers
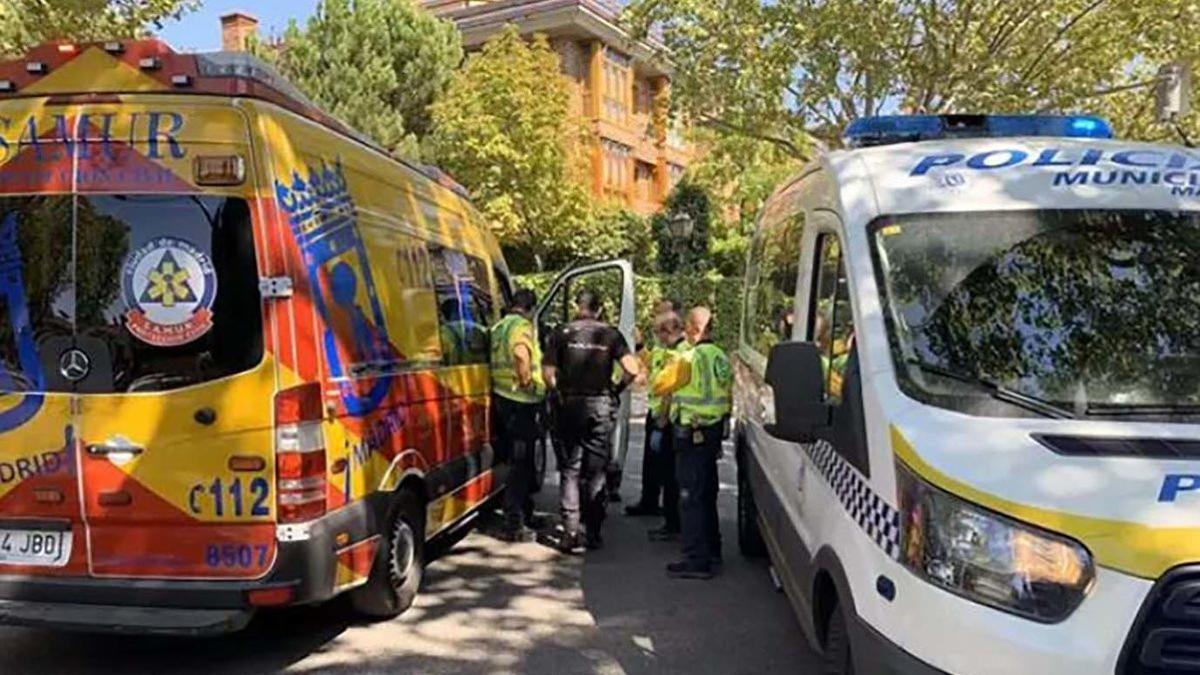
pixel 517 431
pixel 651 473
pixel 585 428
pixel 697 452
pixel 658 471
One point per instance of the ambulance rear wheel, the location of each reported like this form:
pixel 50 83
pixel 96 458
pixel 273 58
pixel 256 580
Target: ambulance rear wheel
pixel 399 562
pixel 750 540
pixel 835 659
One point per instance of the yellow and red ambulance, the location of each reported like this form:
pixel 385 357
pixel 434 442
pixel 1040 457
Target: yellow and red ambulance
pixel 243 355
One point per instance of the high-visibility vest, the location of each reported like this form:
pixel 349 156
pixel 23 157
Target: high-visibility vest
pixel 707 398
pixel 660 356
pixel 511 331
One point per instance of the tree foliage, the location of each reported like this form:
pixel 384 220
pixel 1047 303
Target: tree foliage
pixel 504 129
pixel 783 70
pixel 691 201
pixel 24 23
pixel 740 174
pixel 375 64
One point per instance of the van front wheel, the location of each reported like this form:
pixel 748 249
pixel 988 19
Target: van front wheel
pixel 835 659
pixel 399 562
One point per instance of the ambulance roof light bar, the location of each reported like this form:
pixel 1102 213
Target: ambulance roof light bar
pixel 890 129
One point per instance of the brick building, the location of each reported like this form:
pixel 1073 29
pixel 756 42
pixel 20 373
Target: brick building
pixel 620 86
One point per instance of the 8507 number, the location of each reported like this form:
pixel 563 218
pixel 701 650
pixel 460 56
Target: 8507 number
pixel 231 497
pixel 236 556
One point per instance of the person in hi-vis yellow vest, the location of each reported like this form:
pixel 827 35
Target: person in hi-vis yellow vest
pixel 517 395
pixel 700 383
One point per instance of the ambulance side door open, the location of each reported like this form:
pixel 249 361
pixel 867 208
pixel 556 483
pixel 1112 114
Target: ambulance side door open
pixel 613 279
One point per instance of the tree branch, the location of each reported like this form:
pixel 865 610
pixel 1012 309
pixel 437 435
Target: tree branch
pixel 1066 28
pixel 788 146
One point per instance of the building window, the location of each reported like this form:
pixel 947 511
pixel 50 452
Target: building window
pixel 643 98
pixel 616 86
pixel 643 175
pixel 616 164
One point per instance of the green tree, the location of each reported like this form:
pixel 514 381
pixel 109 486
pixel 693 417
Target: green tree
pixel 691 202
pixel 504 130
pixel 740 174
pixel 24 23
pixel 375 64
pixel 786 70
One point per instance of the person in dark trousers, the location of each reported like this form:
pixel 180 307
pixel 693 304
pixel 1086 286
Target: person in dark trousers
pixel 668 334
pixel 517 396
pixel 579 365
pixel 664 431
pixel 700 383
pixel 615 470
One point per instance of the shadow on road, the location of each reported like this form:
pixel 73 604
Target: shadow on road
pixel 490 607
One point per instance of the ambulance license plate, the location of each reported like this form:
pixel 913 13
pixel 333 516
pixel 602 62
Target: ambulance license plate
pixel 35 547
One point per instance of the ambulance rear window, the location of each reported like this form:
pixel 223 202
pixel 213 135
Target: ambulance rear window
pixel 126 293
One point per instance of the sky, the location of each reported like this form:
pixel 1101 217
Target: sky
pixel 200 31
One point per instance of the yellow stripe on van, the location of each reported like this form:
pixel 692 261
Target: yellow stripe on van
pixel 1133 548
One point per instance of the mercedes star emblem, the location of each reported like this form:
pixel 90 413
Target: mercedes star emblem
pixel 74 365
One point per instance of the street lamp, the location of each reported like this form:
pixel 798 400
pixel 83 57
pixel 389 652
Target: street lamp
pixel 680 226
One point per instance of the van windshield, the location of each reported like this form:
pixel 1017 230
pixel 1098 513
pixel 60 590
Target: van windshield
pixel 125 293
pixel 1090 312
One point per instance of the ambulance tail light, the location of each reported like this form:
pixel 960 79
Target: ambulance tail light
pixel 989 558
pixel 299 454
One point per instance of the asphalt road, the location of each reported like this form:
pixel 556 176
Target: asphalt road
pixel 492 607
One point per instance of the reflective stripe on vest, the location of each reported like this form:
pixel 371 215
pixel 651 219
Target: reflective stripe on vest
pixel 504 371
pixel 707 398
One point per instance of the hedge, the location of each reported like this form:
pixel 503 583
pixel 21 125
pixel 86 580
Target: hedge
pixel 722 294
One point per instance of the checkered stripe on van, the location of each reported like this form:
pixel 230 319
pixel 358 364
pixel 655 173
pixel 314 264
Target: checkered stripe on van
pixel 880 519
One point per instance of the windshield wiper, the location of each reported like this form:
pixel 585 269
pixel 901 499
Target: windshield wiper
pixel 1120 409
pixel 998 391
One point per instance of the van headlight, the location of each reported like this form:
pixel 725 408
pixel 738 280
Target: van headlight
pixel 988 558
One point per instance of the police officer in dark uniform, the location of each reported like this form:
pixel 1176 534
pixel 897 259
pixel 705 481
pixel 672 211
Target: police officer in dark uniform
pixel 578 365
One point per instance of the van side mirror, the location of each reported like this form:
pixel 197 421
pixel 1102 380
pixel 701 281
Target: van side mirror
pixel 797 378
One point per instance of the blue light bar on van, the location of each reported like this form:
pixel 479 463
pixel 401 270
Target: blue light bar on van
pixel 885 130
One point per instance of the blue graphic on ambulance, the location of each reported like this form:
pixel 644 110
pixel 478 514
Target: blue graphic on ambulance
pixel 323 219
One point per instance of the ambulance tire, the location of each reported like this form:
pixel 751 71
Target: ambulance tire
pixel 750 539
pixel 835 658
pixel 399 563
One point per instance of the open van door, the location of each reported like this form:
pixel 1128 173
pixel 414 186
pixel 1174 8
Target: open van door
pixel 613 279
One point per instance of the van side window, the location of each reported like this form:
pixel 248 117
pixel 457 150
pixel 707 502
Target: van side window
pixel 771 291
pixel 504 289
pixel 416 301
pixel 465 307
pixel 832 325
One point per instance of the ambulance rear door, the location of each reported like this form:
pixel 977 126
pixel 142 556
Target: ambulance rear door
pixel 173 382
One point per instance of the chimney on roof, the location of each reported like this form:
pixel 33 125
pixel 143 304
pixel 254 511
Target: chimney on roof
pixel 236 29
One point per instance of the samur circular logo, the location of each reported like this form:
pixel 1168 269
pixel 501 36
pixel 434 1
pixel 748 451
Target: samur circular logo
pixel 169 286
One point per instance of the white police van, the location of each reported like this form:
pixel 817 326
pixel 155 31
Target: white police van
pixel 968 399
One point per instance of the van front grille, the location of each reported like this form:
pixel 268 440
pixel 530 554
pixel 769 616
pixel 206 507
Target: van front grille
pixel 1165 639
